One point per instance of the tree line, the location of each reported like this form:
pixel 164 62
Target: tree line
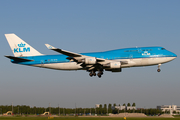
pixel 101 110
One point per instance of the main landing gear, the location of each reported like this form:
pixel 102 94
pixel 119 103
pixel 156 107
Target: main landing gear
pixel 159 70
pixel 100 74
pixel 93 73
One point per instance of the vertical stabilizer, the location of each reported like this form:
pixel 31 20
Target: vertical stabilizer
pixel 19 47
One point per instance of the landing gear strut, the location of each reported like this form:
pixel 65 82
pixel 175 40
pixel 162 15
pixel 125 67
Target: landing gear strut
pixel 100 73
pixel 159 70
pixel 94 73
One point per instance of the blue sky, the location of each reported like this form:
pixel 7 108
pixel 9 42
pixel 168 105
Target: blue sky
pixel 89 26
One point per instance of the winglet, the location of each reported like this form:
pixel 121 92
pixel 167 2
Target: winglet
pixel 50 46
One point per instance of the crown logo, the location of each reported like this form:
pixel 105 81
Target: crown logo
pixel 21 45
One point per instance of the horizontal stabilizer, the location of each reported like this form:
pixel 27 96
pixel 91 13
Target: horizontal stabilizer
pixel 18 59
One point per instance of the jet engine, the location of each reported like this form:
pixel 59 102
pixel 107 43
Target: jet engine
pixel 90 60
pixel 114 65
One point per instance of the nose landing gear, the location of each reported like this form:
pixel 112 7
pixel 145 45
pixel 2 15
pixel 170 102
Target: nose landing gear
pixel 159 70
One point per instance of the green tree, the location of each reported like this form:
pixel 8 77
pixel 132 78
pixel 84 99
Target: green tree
pixel 100 106
pixel 114 104
pixel 105 109
pixel 109 108
pixel 133 104
pixel 128 104
pixel 124 104
pixel 100 109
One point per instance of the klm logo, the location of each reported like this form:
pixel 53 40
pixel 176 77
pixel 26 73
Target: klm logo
pixel 21 48
pixel 146 53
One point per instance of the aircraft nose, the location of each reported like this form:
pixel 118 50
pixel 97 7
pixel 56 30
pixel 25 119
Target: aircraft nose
pixel 174 55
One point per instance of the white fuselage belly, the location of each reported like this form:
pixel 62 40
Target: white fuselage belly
pixel 131 63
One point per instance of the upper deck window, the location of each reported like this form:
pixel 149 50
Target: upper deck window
pixel 163 49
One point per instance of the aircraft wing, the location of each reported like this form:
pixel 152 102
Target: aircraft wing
pixel 79 58
pixel 70 54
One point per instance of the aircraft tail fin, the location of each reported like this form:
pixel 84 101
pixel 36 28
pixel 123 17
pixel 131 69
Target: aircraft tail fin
pixel 19 47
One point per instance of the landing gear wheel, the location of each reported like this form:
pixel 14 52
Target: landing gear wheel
pixel 99 75
pixel 159 70
pixel 94 74
pixel 90 74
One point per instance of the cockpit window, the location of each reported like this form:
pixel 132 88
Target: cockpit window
pixel 163 49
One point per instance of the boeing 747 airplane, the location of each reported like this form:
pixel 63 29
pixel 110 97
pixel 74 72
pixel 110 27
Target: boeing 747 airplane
pixel 112 60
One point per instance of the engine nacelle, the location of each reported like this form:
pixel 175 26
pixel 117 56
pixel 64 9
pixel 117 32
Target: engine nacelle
pixel 90 60
pixel 115 65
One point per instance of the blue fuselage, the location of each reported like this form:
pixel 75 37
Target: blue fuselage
pixel 127 53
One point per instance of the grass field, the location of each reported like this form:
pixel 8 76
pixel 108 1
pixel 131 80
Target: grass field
pixel 81 118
